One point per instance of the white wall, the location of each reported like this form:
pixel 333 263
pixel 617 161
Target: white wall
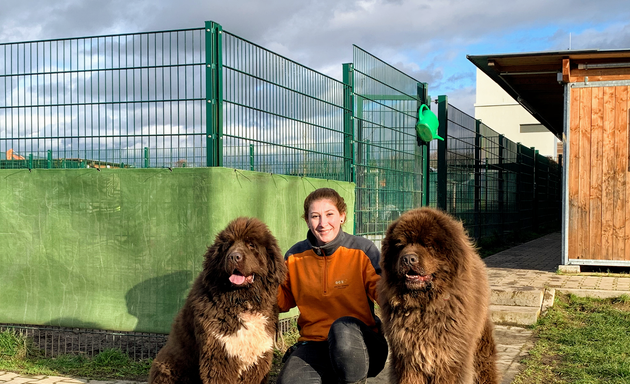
pixel 499 111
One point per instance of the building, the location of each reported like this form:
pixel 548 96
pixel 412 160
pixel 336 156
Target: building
pixel 584 98
pixel 501 112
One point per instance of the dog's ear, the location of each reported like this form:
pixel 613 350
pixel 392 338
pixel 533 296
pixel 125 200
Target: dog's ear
pixel 277 266
pixel 212 258
pixel 388 245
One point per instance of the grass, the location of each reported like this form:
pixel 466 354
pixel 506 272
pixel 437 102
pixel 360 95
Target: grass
pixel 17 354
pixel 581 341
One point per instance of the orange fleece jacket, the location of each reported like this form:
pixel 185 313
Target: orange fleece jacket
pixel 329 282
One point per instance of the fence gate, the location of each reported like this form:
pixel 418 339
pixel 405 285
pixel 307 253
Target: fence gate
pixel 389 164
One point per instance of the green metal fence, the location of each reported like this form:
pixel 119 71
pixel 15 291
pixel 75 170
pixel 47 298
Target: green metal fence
pixel 389 161
pixel 114 101
pixel 279 116
pixel 205 97
pixel 494 185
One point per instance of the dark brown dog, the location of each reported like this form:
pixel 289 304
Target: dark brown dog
pixel 224 333
pixel 434 297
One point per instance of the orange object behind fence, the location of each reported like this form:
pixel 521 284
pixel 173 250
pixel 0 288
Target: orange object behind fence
pixel 13 156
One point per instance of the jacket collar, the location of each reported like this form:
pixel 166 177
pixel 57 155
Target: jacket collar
pixel 328 248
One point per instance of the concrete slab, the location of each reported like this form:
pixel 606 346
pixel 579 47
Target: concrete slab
pixel 519 296
pixel 513 315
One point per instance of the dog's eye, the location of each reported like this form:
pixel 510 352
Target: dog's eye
pixel 250 245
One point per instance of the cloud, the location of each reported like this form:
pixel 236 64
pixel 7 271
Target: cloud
pixel 426 39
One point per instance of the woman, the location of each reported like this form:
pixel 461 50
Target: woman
pixel 332 280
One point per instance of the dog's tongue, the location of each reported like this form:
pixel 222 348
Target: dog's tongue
pixel 240 279
pixel 237 279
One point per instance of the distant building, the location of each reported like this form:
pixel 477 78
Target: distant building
pixel 499 111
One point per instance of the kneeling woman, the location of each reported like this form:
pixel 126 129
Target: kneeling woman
pixel 332 280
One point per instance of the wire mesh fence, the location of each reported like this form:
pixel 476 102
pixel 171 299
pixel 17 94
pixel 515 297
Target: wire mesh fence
pixel 389 162
pixel 131 99
pixel 280 116
pixel 494 185
pixel 51 341
pixel 56 341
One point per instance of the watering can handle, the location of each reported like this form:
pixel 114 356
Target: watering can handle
pixel 422 108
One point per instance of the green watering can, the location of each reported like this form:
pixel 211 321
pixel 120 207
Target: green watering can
pixel 427 124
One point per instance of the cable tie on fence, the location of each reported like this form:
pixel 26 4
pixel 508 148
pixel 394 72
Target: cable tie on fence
pixel 170 169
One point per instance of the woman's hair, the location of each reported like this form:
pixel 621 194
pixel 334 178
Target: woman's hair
pixel 324 194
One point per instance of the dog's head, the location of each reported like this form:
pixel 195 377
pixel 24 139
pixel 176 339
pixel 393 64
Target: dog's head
pixel 424 250
pixel 245 254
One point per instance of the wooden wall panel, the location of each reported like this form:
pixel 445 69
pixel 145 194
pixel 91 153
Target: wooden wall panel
pixel 574 169
pixel 595 195
pixel 584 187
pixel 599 168
pixel 623 125
pixel 621 170
pixel 608 172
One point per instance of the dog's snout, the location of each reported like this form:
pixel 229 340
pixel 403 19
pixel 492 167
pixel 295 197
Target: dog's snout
pixel 235 256
pixel 410 259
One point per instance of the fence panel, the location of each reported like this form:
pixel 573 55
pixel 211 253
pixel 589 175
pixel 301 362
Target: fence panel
pixel 388 159
pixel 526 188
pixel 495 186
pixel 460 160
pixel 107 101
pixel 279 116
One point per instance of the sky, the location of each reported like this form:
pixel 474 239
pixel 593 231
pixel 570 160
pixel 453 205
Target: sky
pixel 428 40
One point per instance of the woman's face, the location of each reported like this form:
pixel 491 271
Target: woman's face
pixel 324 220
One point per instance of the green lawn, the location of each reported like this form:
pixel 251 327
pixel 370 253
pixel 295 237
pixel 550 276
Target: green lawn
pixel 581 340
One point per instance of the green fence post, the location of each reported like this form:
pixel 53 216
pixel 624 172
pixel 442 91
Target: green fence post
pixel 251 157
pixel 146 157
pixel 214 95
pixel 49 157
pixel 348 123
pixel 520 193
pixel 423 98
pixel 441 156
pixel 536 202
pixel 477 203
pixel 30 161
pixel 501 185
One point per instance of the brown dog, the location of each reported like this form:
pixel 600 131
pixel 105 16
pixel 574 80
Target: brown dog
pixel 224 333
pixel 434 297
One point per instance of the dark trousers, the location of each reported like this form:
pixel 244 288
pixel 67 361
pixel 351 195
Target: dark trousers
pixel 352 353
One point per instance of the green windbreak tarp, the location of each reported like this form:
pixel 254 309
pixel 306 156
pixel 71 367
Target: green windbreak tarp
pixel 117 249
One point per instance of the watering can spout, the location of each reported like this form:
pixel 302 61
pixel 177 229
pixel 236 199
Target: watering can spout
pixel 427 125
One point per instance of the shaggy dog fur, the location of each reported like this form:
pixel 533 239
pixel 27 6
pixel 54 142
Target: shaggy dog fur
pixel 225 331
pixel 434 297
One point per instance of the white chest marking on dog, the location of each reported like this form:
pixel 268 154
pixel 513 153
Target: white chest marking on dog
pixel 250 342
